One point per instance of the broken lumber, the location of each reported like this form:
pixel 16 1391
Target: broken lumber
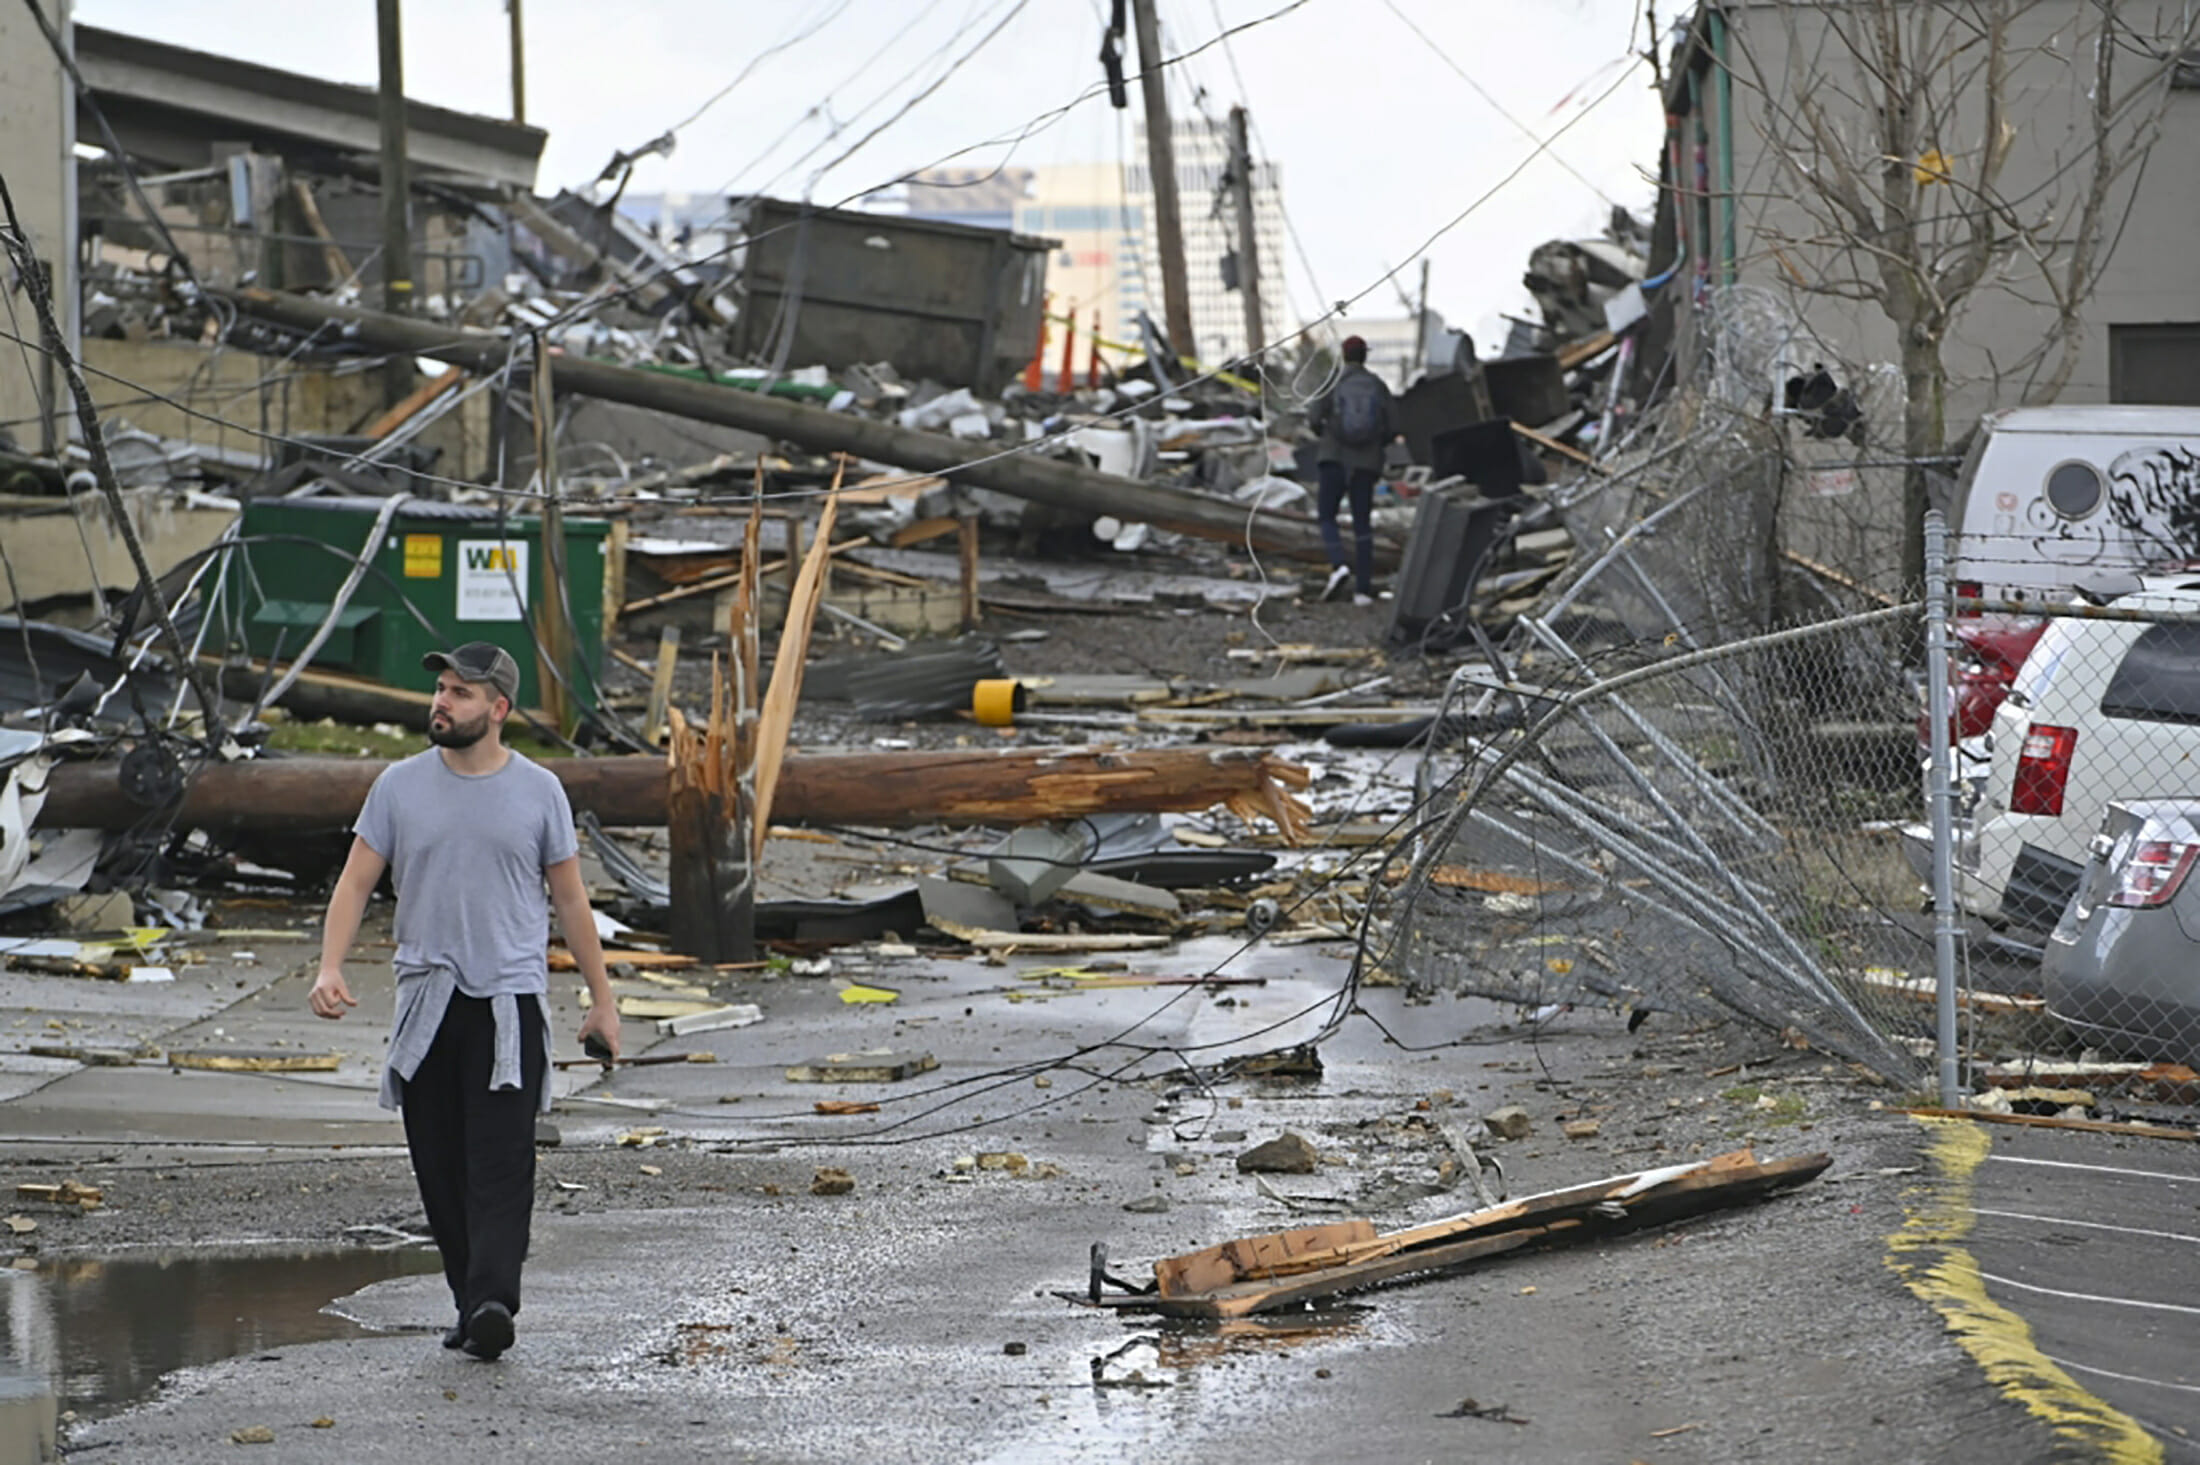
pixel 1069 486
pixel 775 714
pixel 1284 1269
pixel 862 1068
pixel 252 1060
pixel 888 789
pixel 66 1193
pixel 2134 1128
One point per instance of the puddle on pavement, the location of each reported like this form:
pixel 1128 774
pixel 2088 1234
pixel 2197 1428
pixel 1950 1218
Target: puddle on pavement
pixel 1160 1349
pixel 92 1334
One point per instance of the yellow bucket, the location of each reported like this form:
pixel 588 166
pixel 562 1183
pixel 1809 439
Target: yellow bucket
pixel 996 703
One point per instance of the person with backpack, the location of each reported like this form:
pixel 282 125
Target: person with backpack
pixel 1356 419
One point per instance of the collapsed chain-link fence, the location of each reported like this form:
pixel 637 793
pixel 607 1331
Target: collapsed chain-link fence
pixel 1714 831
pixel 1629 817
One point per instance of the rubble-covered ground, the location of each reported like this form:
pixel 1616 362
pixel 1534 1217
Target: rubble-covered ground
pixel 694 1297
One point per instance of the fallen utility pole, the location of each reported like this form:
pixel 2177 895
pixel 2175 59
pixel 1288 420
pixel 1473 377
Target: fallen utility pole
pixel 889 789
pixel 1021 475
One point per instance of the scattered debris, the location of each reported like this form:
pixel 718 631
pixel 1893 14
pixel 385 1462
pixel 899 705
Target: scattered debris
pixel 1510 1122
pixel 1290 1153
pixel 712 1020
pixel 67 1193
pixel 880 1067
pixel 253 1060
pixel 831 1181
pixel 1286 1269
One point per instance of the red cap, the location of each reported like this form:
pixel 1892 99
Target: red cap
pixel 1354 346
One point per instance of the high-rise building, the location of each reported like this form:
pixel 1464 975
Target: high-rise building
pixel 1210 237
pixel 986 198
pixel 1100 269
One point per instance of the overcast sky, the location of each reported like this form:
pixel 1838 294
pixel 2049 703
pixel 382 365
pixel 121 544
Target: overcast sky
pixel 1380 141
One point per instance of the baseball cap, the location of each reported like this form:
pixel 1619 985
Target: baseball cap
pixel 1354 346
pixel 479 661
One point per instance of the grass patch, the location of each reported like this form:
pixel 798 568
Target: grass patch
pixel 1775 1110
pixel 331 738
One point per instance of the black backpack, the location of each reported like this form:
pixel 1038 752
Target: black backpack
pixel 1359 410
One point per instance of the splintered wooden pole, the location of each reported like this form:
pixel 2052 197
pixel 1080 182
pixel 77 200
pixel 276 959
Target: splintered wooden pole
pixel 793 562
pixel 554 616
pixel 966 544
pixel 713 867
pixel 775 720
pixel 660 685
pixel 747 651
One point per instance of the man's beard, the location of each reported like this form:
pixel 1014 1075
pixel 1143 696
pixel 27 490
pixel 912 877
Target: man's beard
pixel 455 734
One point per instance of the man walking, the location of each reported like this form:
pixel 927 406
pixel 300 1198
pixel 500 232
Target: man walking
pixel 1356 419
pixel 470 830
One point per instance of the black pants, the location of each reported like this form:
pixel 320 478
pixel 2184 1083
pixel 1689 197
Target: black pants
pixel 1337 483
pixel 473 1150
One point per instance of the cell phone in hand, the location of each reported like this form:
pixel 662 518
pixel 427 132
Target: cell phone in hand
pixel 595 1047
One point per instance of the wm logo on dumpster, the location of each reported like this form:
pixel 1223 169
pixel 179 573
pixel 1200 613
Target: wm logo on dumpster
pixel 495 558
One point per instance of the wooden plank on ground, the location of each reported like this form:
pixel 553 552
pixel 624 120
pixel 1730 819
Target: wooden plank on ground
pixel 252 1060
pixel 862 1068
pixel 2056 1121
pixel 1270 1273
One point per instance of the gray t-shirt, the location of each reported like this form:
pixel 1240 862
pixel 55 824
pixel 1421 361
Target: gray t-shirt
pixel 466 853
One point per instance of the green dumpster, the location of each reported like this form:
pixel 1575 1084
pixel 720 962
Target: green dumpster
pixel 471 574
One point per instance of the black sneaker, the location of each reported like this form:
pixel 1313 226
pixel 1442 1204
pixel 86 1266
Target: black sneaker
pixel 489 1330
pixel 1337 579
pixel 454 1336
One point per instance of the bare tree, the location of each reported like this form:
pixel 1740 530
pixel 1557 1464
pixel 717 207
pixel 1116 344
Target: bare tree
pixel 1921 166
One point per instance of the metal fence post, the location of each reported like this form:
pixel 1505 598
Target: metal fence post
pixel 1940 800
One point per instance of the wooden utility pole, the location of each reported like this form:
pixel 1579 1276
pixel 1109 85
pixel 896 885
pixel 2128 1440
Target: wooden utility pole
pixel 397 281
pixel 1168 212
pixel 1072 487
pixel 899 789
pixel 519 63
pixel 1248 238
pixel 1420 328
pixel 553 613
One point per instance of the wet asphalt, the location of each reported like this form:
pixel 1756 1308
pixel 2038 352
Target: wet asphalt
pixel 741 1317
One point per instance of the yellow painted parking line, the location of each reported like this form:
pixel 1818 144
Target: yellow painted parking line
pixel 1929 1254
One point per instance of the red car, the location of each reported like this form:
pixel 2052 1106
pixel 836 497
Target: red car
pixel 1989 650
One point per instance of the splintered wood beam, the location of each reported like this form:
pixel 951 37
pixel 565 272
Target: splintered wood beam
pixel 660 685
pixel 1258 1274
pixel 775 716
pixel 887 789
pixel 711 809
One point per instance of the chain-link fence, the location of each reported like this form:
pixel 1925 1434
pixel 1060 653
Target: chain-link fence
pixel 1629 818
pixel 1708 831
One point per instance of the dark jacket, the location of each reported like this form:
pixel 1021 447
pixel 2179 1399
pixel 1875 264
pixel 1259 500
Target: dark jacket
pixel 1323 420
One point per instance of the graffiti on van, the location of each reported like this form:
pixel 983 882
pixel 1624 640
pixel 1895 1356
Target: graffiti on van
pixel 2154 497
pixel 2065 541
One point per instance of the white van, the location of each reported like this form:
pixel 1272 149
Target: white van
pixel 2050 495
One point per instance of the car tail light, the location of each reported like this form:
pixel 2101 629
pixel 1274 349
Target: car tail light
pixel 2043 769
pixel 2153 873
